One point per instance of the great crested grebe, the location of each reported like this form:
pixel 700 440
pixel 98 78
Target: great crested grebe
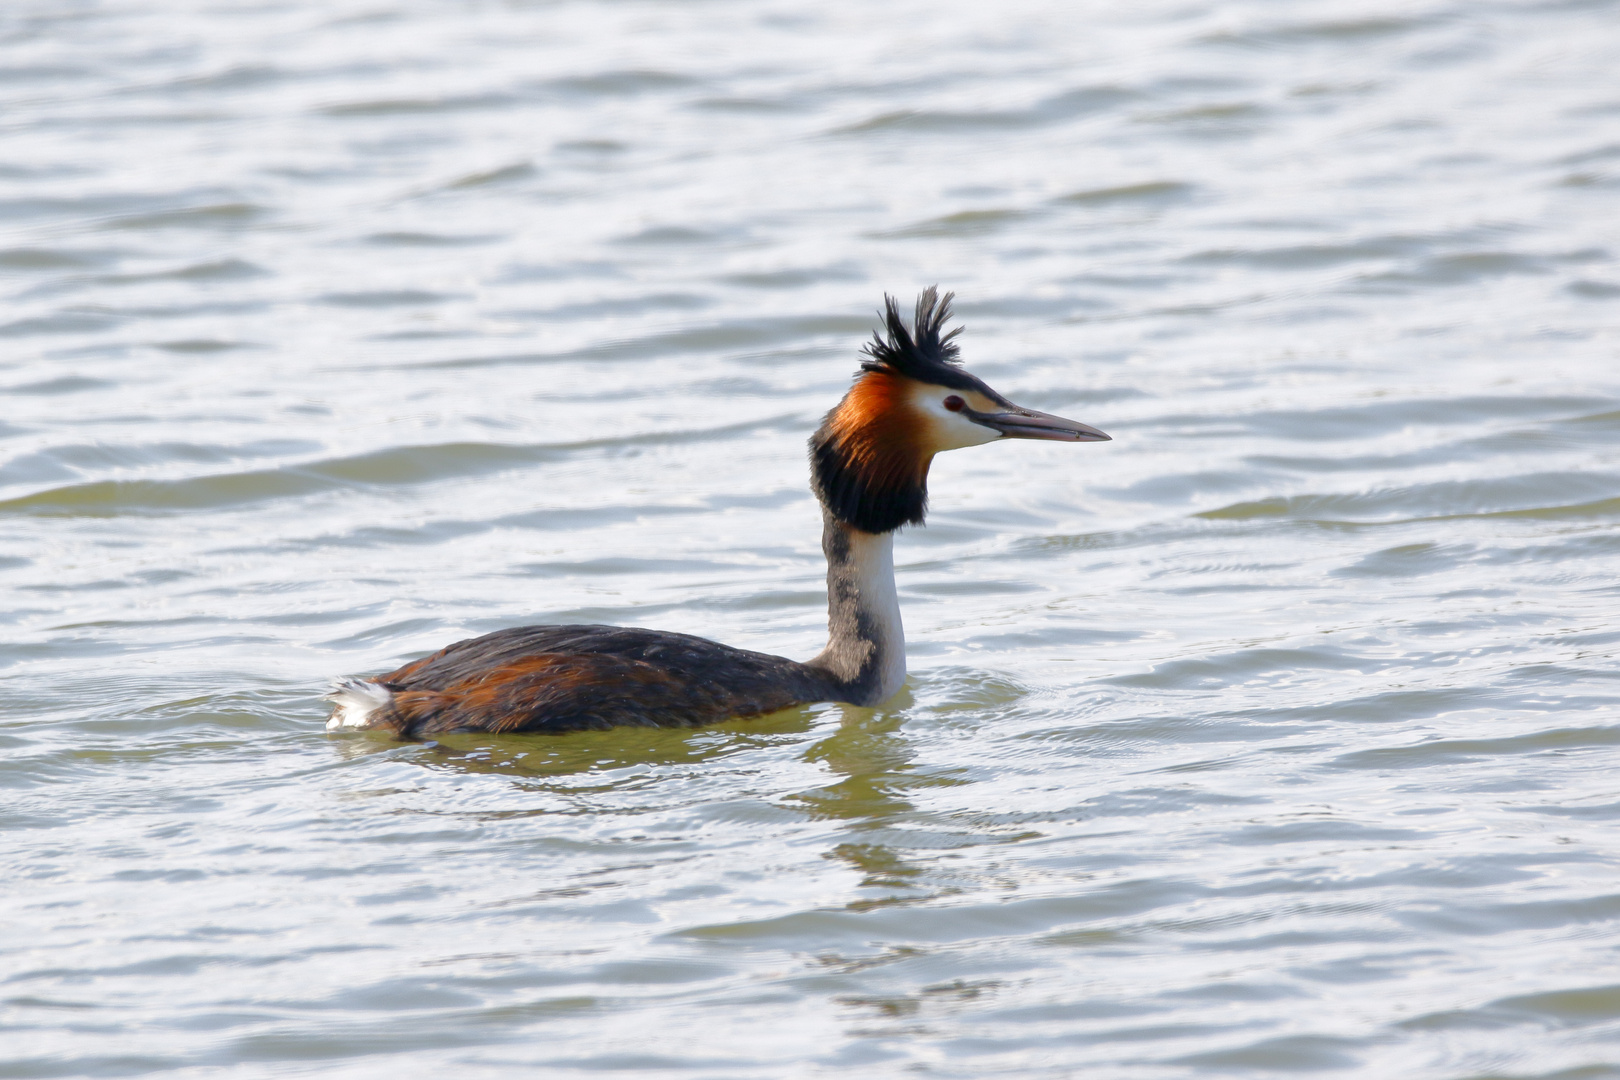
pixel 868 467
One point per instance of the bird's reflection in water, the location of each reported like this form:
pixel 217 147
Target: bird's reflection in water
pixel 868 755
pixel 875 763
pixel 540 756
pixel 872 760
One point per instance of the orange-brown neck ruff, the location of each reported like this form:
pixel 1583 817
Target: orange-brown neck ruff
pixel 869 460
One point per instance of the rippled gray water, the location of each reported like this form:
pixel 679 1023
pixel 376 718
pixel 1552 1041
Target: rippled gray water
pixel 1279 735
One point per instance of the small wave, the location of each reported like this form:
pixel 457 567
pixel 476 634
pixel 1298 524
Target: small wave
pixel 1305 256
pixel 1068 105
pixel 110 498
pixel 1571 1008
pixel 796 277
pixel 380 298
pixel 1537 496
pixel 930 121
pixel 1355 33
pixel 225 215
pixel 1211 121
pixel 50 259
pixel 1406 561
pixel 1242 665
pixel 680 235
pixel 520 170
pixel 749 105
pixel 1289 1053
pixel 64 322
pixel 201 345
pixel 1462 268
pixel 66 384
pixel 734 335
pixel 425 239
pixel 1451 751
pixel 418 106
pixel 232 269
pixel 619 83
pixel 1153 191
pixel 962 223
pixel 234 77
pixel 1381 415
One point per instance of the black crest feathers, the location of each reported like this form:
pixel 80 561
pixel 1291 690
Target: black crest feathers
pixel 922 353
pixel 868 465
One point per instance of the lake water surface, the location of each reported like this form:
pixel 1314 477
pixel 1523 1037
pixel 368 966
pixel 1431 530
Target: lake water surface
pixel 1280 735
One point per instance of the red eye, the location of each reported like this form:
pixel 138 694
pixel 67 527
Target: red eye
pixel 954 403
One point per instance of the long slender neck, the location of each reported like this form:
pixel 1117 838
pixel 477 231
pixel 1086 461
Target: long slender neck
pixel 866 646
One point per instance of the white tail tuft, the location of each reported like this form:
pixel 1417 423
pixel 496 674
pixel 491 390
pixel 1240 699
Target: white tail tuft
pixel 356 700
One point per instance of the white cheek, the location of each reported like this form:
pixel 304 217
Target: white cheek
pixel 952 431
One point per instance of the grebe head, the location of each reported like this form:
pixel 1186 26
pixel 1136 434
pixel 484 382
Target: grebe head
pixel 911 400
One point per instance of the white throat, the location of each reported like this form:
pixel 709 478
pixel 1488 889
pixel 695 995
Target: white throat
pixel 866 644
